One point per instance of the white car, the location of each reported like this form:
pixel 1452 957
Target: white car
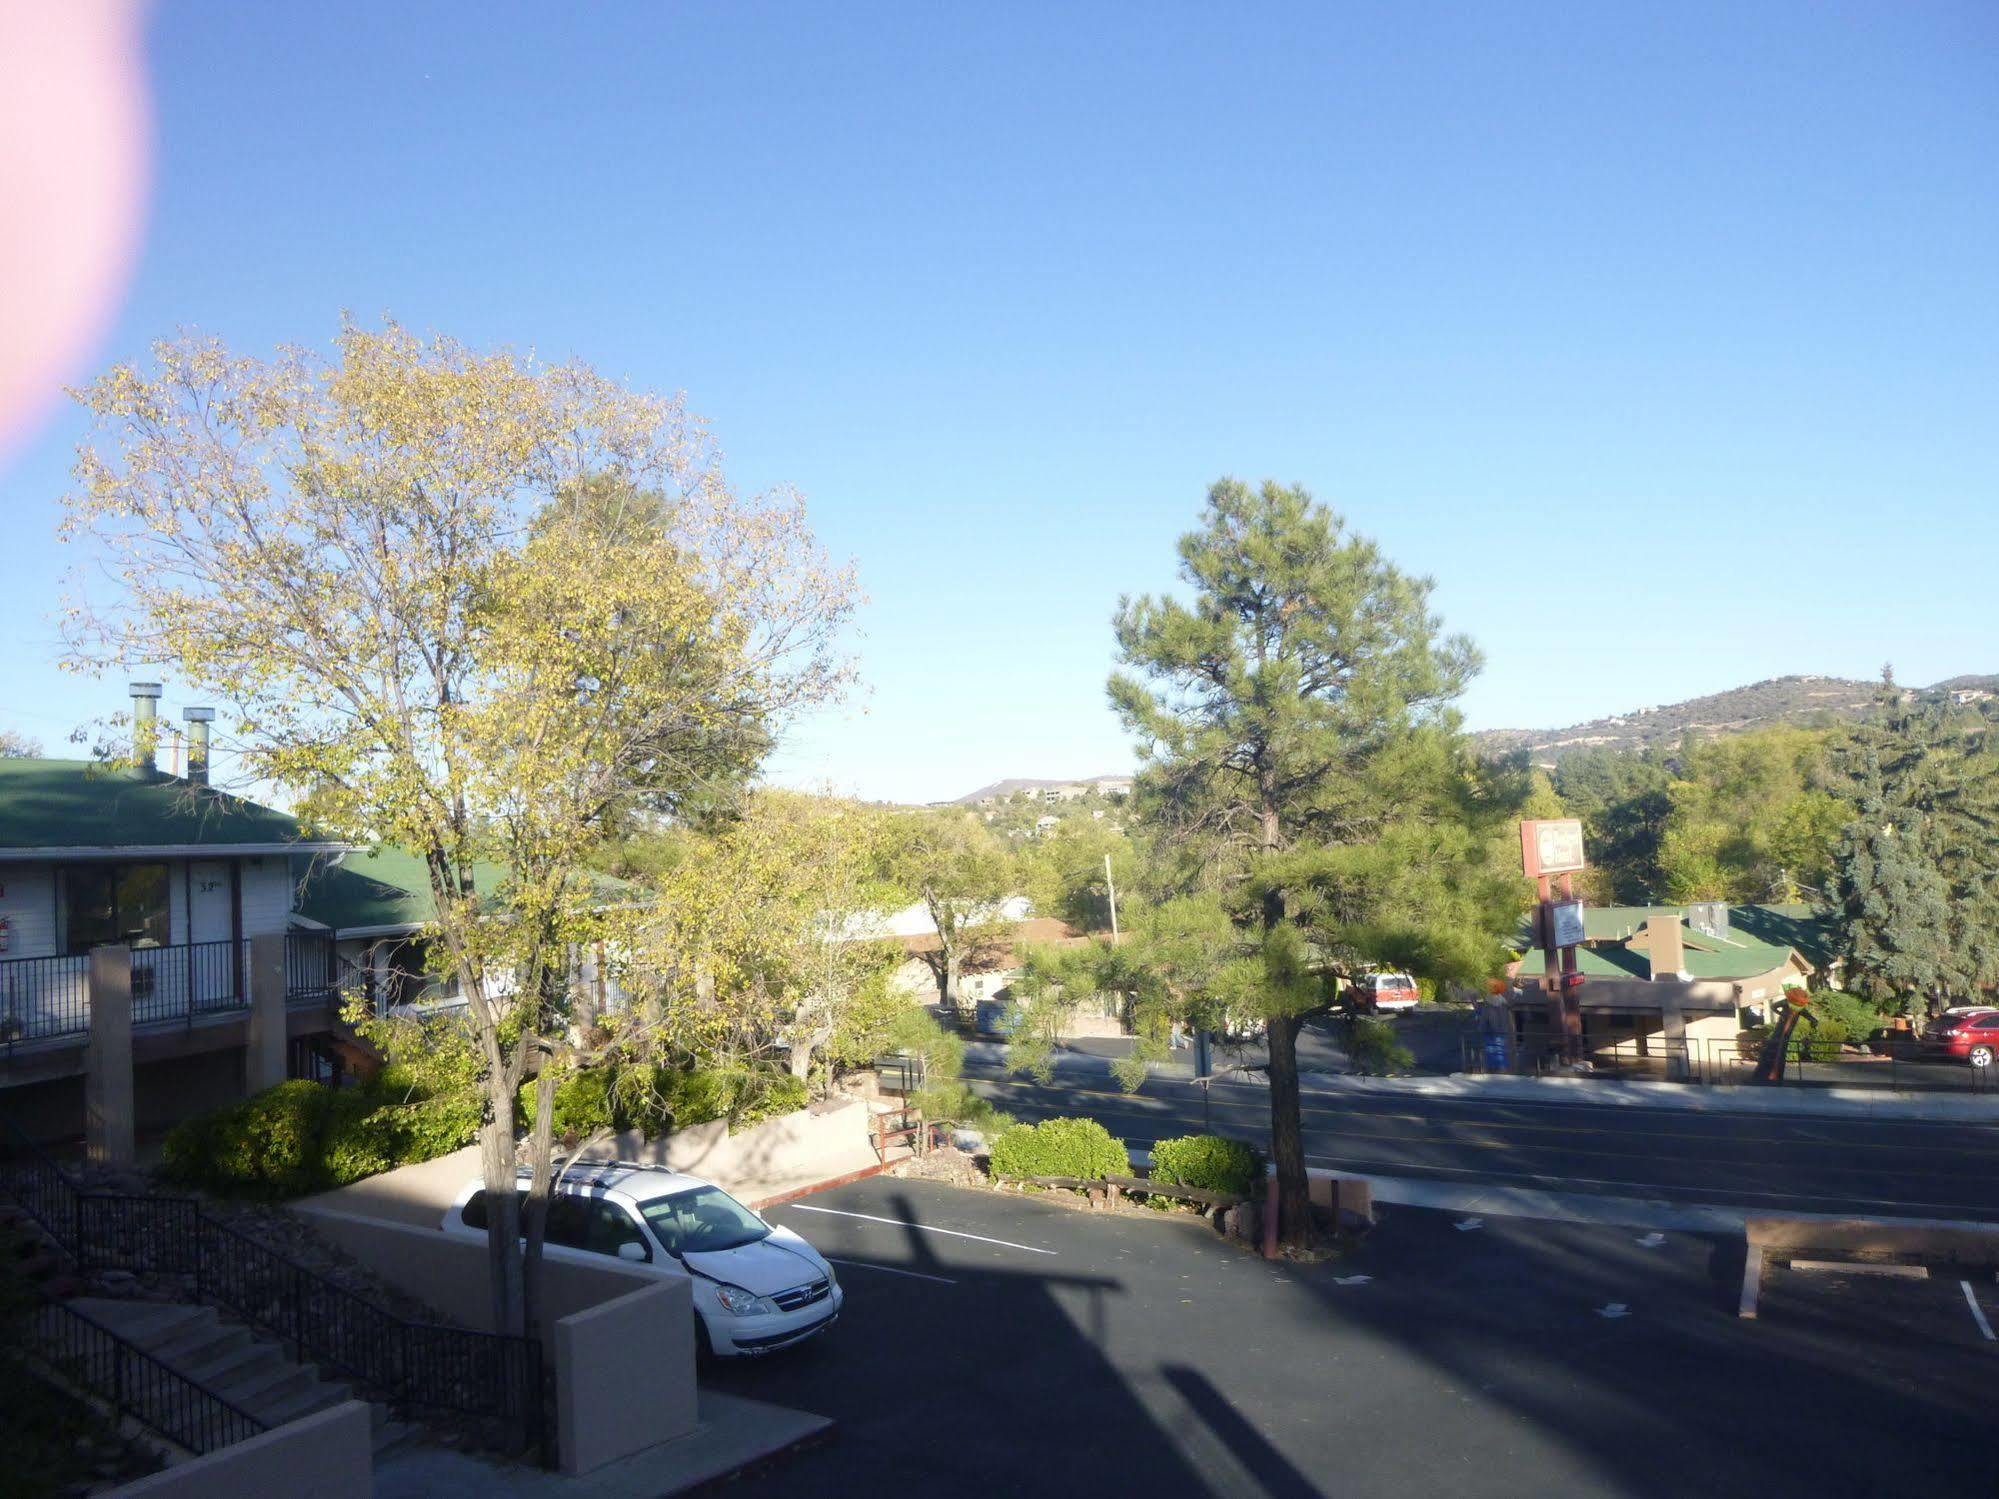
pixel 757 1287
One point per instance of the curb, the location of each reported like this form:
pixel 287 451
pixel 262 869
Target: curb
pixel 778 1199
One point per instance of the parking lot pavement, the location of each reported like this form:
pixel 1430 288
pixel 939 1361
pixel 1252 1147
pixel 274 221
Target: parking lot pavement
pixel 997 1345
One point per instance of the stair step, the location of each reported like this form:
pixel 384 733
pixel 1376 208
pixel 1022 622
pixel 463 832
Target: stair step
pixel 147 1323
pixel 277 1382
pixel 234 1365
pixel 314 1396
pixel 199 1343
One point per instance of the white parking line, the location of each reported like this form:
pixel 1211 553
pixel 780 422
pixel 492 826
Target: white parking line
pixel 926 1228
pixel 887 1270
pixel 1977 1312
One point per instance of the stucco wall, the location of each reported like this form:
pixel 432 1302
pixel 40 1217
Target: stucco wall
pixel 817 1144
pixel 624 1375
pixel 449 1273
pixel 326 1455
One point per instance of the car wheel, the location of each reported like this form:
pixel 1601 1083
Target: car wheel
pixel 1979 1056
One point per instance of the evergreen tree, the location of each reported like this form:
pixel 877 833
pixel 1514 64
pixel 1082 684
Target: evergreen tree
pixel 1915 888
pixel 1301 765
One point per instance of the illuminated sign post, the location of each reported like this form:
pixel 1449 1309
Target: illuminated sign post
pixel 1551 849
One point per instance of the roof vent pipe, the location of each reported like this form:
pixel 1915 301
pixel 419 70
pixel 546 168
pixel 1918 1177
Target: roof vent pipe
pixel 197 721
pixel 145 729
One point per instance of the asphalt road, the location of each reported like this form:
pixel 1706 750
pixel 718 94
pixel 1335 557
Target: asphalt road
pixel 994 1344
pixel 1802 1163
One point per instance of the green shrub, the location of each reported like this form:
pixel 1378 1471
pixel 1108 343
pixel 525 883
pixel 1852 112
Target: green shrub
pixel 1060 1147
pixel 585 1102
pixel 1207 1162
pixel 1853 1016
pixel 268 1145
pixel 1372 1047
pixel 304 1137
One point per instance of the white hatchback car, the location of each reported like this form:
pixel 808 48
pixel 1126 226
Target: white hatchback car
pixel 757 1287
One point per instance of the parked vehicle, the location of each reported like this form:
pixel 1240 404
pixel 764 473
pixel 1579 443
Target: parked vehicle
pixel 757 1287
pixel 1374 992
pixel 1968 1031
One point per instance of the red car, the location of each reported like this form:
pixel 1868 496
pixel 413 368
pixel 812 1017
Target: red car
pixel 1969 1031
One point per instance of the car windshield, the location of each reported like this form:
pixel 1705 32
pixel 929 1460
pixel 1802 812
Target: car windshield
pixel 702 1221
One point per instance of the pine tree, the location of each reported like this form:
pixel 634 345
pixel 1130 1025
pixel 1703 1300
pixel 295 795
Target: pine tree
pixel 1302 765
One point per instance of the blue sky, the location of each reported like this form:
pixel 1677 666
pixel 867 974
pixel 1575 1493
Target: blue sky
pixel 1663 337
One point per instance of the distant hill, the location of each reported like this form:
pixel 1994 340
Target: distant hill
pixel 1781 700
pixel 1013 785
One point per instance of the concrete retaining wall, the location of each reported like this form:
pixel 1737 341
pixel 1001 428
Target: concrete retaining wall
pixel 819 1144
pixel 622 1341
pixel 326 1455
pixel 624 1375
pixel 828 1140
pixel 449 1273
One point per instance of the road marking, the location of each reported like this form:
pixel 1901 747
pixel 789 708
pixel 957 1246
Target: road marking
pixel 800 1207
pixel 1466 1225
pixel 887 1270
pixel 1614 1310
pixel 1977 1312
pixel 1651 1241
pixel 1352 1280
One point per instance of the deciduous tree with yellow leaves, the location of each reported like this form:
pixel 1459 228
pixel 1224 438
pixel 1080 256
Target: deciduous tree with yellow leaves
pixel 466 603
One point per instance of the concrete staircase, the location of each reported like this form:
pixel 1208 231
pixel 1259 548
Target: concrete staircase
pixel 251 1372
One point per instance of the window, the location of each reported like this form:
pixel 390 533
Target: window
pixel 586 1223
pixel 703 1220
pixel 107 903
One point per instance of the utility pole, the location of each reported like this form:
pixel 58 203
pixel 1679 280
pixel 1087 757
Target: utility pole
pixel 1111 885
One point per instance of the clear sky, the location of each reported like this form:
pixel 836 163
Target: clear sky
pixel 1663 336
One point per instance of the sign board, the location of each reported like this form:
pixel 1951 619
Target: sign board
pixel 1551 846
pixel 1565 921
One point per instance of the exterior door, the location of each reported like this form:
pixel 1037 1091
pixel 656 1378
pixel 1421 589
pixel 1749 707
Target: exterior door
pixel 213 972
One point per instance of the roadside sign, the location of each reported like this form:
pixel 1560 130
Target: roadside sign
pixel 1552 845
pixel 1566 919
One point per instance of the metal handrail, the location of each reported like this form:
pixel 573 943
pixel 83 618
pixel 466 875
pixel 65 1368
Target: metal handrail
pixel 496 1376
pixel 136 1384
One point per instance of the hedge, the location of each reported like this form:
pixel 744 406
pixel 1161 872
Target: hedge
pixel 304 1137
pixel 655 1100
pixel 1059 1147
pixel 1208 1162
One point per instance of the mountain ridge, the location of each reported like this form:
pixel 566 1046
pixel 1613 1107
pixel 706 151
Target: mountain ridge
pixel 1803 700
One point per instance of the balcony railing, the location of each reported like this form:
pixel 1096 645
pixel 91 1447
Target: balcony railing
pixel 48 999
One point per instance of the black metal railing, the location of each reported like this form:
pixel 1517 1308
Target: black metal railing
pixel 48 998
pixel 492 1377
pixel 133 1383
pixel 186 980
pixel 42 997
pixel 312 969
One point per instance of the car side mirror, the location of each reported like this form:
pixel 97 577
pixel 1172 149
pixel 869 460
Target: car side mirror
pixel 631 1249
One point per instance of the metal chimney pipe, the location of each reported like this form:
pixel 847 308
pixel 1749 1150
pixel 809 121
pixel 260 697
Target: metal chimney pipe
pixel 197 721
pixel 145 729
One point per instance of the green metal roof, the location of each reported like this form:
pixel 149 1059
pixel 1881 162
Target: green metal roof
pixel 79 807
pixel 390 887
pixel 1742 959
pixel 383 887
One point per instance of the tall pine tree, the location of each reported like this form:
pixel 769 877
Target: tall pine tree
pixel 1301 763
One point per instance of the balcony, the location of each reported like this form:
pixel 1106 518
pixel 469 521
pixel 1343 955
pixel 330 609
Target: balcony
pixel 46 1001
